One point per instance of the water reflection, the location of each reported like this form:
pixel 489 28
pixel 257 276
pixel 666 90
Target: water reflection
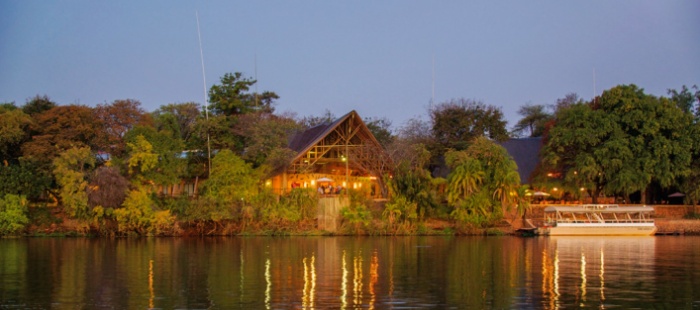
pixel 568 261
pixel 319 273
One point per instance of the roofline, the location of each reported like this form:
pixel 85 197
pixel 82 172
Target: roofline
pixel 332 126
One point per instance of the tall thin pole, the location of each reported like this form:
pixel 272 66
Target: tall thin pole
pixel 206 98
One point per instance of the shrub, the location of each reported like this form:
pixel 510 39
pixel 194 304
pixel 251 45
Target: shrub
pixel 137 213
pixel 13 214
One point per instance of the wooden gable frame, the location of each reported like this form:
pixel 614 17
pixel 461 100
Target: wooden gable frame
pixel 348 138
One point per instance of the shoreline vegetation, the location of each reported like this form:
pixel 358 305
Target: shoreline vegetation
pixel 230 168
pixel 52 222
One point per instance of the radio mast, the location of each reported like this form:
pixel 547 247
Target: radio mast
pixel 206 98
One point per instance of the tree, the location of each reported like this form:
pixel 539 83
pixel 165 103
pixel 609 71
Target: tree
pixel 232 180
pixel 117 119
pixel 107 188
pixel 59 129
pixel 455 123
pixel 381 129
pixel 569 100
pixel 232 96
pixel 686 100
pixel 312 121
pixel 13 214
pixel 621 142
pixel 37 105
pixel 14 130
pixel 264 138
pixel 533 122
pixel 70 170
pixel 499 168
pixel 155 156
pixel 25 178
pixel 181 119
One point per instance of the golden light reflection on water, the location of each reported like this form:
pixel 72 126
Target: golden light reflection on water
pixel 309 282
pixel 357 281
pixel 583 278
pixel 268 288
pixel 344 284
pixel 373 279
pixel 602 275
pixel 150 285
pixel 574 258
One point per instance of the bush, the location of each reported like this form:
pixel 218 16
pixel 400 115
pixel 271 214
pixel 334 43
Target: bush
pixel 137 213
pixel 356 217
pixel 13 214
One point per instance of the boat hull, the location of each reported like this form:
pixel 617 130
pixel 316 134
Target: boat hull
pixel 595 229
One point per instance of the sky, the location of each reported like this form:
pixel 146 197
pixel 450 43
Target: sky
pixel 384 59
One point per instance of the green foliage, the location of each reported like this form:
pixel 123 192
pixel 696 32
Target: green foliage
pixel 265 138
pixel 456 123
pixel 231 97
pixel 164 223
pixel 231 180
pixel 621 142
pixel 14 129
pixel 381 130
pixel 70 173
pixel 182 120
pixel 400 214
pixel 415 185
pixel 38 104
pixel 533 122
pixel 356 217
pixel 304 200
pixel 13 214
pixel 483 182
pixel 137 214
pixel 26 178
pixel 142 158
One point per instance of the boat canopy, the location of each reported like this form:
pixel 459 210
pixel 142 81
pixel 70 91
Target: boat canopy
pixel 598 209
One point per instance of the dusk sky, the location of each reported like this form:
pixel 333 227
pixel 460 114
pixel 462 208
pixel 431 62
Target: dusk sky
pixel 380 58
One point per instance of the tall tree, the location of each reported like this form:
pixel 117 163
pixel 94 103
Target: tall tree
pixel 117 118
pixel 535 117
pixel 455 123
pixel 155 156
pixel 71 168
pixel 38 104
pixel 59 129
pixel 265 138
pixel 686 100
pixel 381 129
pixel 232 96
pixel 621 142
pixel 180 118
pixel 14 129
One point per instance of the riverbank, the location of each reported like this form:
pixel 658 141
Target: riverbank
pixel 670 220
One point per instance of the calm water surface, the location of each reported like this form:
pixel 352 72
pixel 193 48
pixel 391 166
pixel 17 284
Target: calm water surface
pixel 351 272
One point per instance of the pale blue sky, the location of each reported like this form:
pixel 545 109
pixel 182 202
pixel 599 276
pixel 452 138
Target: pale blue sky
pixel 372 56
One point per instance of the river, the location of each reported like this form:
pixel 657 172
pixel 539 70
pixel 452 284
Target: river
pixel 351 272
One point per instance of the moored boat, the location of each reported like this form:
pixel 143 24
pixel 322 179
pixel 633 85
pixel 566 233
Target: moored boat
pixel 597 219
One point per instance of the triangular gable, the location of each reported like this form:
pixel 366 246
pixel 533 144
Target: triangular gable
pixel 346 138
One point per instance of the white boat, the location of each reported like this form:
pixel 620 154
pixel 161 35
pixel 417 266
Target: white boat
pixel 597 220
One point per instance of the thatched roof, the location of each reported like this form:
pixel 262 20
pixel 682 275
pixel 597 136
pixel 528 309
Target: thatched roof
pixel 526 154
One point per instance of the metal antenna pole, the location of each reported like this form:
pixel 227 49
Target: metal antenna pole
pixel 206 98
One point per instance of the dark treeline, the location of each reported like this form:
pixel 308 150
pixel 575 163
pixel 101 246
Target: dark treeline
pixel 107 169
